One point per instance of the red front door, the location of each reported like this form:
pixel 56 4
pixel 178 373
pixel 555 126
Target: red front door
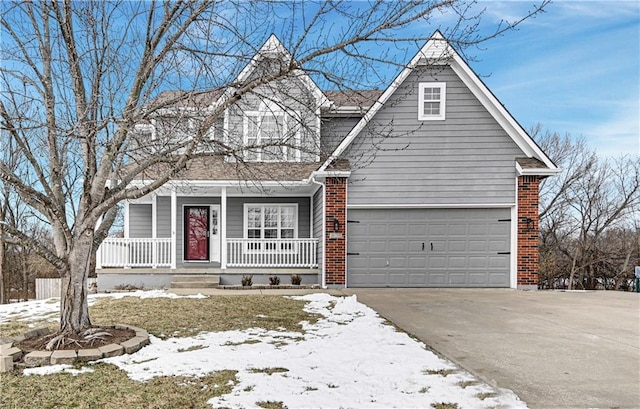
pixel 196 233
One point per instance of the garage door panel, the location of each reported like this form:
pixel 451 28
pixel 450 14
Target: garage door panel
pixel 377 246
pixel 498 279
pixel 436 230
pixel 429 248
pixel 417 279
pixel 457 230
pixel 398 230
pixel 477 278
pixel 457 245
pixel 457 262
pixel 397 279
pixel 457 278
pixel 415 246
pixel 397 246
pixel 498 262
pixel 378 230
pixel 397 263
pixel 437 279
pixel 417 263
pixel 478 262
pixel 478 245
pixel 437 262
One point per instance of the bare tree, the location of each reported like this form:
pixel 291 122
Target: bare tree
pixel 588 215
pixel 79 78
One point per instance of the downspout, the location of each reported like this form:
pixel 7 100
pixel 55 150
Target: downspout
pixel 323 283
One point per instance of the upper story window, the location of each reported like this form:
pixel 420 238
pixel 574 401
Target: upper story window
pixel 431 101
pixel 271 135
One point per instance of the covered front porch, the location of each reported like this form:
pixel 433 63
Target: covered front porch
pixel 218 228
pixel 159 253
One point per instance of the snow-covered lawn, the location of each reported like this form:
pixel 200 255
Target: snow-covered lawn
pixel 350 358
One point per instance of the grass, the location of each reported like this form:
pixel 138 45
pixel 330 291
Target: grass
pixel 440 372
pixel 269 371
pixel 109 387
pixel 15 326
pixel 184 317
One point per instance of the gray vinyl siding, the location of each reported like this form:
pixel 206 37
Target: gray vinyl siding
pixel 467 158
pixel 318 210
pixel 235 214
pixel 139 221
pixel 163 214
pixel 334 130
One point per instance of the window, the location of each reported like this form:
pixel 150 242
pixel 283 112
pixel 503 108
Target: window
pixel 270 221
pixel 270 135
pixel 431 101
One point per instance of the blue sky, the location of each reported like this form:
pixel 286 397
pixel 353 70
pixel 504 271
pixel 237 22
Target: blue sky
pixel 574 69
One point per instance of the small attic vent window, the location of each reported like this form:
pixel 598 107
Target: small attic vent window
pixel 431 101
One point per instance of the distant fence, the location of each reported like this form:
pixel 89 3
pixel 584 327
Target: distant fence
pixel 50 287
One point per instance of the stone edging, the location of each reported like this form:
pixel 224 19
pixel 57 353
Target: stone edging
pixel 269 287
pixel 9 354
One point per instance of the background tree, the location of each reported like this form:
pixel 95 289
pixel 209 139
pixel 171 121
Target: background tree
pixel 589 217
pixel 78 77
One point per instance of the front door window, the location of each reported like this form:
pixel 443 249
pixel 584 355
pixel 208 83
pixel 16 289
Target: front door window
pixel 196 221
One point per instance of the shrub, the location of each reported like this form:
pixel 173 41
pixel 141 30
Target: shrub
pixel 296 279
pixel 274 280
pixel 247 280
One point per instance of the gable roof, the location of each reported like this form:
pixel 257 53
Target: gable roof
pixel 273 48
pixel 438 51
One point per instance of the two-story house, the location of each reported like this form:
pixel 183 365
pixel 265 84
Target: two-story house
pixel 429 183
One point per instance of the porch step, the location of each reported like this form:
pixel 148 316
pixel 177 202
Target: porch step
pixel 195 281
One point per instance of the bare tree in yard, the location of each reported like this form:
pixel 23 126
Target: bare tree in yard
pixel 589 216
pixel 79 78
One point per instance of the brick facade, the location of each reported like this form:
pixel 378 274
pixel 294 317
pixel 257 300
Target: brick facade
pixel 527 262
pixel 336 240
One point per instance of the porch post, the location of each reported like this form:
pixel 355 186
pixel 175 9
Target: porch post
pixel 223 228
pixel 154 230
pixel 174 227
pixel 98 255
pixel 127 263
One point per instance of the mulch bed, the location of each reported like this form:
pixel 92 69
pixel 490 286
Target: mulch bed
pixel 116 336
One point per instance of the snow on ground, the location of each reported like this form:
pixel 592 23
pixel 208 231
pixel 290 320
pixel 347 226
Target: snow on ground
pixel 350 358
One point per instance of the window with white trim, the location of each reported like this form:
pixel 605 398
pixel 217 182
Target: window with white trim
pixel 431 101
pixel 270 221
pixel 271 135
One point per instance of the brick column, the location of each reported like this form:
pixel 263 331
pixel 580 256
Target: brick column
pixel 528 240
pixel 335 247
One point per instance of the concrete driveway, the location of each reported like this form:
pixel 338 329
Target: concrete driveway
pixel 553 349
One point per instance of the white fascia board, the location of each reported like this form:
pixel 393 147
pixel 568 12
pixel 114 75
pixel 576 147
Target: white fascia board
pixel 274 46
pixel 323 174
pixel 432 50
pixel 433 206
pixel 536 171
pixel 498 111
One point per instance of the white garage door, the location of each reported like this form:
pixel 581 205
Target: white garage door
pixel 428 248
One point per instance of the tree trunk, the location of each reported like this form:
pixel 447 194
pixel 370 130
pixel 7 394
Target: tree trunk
pixel 3 292
pixel 74 306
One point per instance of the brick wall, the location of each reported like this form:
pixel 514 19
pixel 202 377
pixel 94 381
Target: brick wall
pixel 335 250
pixel 528 187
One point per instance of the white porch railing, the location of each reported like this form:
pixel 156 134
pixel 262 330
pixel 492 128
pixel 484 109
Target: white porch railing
pixel 272 253
pixel 119 252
